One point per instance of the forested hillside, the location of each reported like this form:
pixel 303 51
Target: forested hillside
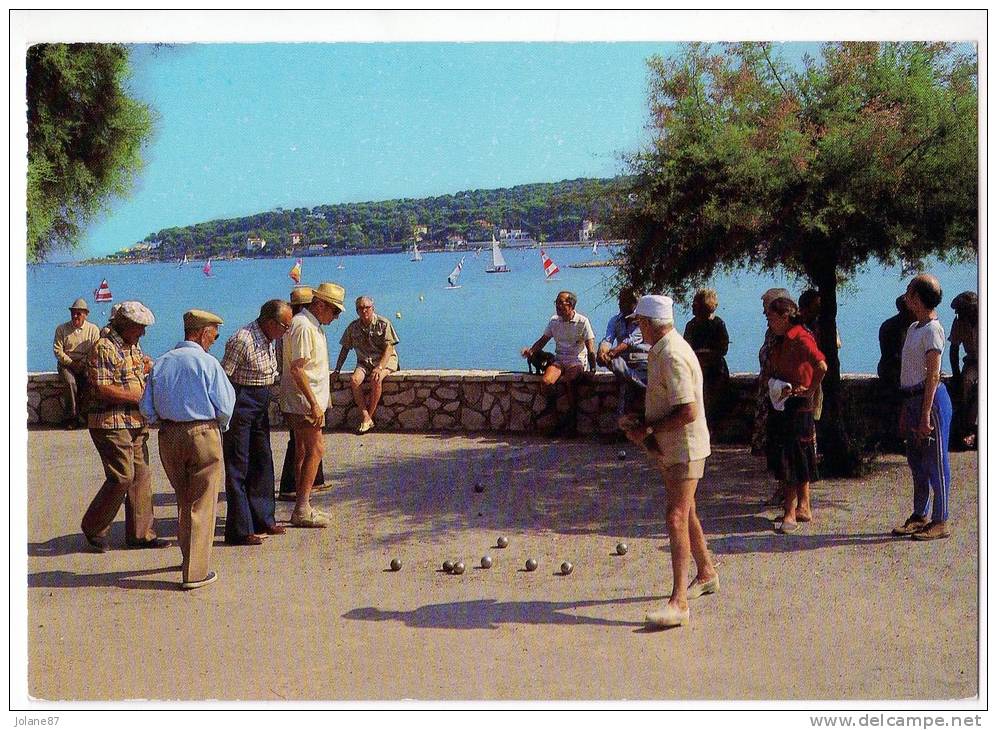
pixel 544 211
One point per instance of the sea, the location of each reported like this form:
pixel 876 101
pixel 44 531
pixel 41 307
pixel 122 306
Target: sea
pixel 481 325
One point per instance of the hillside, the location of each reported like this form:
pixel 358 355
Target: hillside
pixel 543 211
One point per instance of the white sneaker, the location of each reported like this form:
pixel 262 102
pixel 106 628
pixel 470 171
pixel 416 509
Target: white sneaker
pixel 667 617
pixel 190 585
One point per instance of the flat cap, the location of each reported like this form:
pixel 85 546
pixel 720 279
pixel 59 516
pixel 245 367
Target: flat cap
pixel 135 312
pixel 196 318
pixel 81 304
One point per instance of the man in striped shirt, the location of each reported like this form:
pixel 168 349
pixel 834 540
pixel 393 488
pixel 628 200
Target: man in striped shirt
pixel 251 365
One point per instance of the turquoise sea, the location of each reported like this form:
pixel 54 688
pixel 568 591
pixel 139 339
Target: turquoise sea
pixel 483 324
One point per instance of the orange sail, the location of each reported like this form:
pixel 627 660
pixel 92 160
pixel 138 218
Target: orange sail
pixel 295 272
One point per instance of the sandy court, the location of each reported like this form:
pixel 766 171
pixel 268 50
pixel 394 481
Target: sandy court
pixel 840 610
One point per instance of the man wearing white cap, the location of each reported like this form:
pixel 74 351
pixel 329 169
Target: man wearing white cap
pixel 73 341
pixel 117 369
pixel 676 419
pixel 304 393
pixel 190 395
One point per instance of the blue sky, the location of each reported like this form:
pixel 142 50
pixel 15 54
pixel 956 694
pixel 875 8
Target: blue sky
pixel 243 128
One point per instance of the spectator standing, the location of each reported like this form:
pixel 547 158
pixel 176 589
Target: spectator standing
pixel 707 334
pixel 965 334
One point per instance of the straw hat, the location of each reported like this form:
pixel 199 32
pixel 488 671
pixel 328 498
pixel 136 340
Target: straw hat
pixel 331 293
pixel 197 318
pixel 301 295
pixel 80 304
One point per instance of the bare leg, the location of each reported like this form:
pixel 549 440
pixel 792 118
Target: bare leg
pixel 375 395
pixel 789 506
pixel 705 570
pixel 310 445
pixel 356 385
pixel 681 495
pixel 804 513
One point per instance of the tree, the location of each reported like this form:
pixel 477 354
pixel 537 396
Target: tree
pixel 869 154
pixel 85 135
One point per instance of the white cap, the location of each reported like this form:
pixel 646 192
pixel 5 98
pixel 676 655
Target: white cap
pixel 654 306
pixel 135 312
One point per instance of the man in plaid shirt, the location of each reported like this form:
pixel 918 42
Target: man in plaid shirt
pixel 116 370
pixel 251 365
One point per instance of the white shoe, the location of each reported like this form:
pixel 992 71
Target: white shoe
pixel 667 617
pixel 190 585
pixel 366 426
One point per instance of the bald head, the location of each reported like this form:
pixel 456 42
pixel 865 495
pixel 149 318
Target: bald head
pixel 927 289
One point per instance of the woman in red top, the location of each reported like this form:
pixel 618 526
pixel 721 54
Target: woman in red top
pixel 795 359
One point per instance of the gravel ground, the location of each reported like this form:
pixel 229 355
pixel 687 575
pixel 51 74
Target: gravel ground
pixel 840 610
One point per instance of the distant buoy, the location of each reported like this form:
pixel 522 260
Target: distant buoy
pixel 398 315
pixel 422 298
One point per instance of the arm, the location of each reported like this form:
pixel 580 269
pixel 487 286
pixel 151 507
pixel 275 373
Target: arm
pixel 59 350
pixel 528 352
pixel 146 404
pixel 343 352
pixel 222 396
pixel 676 418
pixel 590 346
pixel 955 339
pixel 300 379
pixel 820 370
pixel 381 370
pixel 933 363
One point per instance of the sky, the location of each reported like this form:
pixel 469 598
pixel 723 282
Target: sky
pixel 244 128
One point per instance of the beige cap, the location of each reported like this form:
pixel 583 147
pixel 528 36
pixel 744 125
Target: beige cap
pixel 81 304
pixel 301 295
pixel 196 318
pixel 135 312
pixel 331 293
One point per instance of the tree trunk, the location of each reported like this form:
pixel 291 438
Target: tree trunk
pixel 842 451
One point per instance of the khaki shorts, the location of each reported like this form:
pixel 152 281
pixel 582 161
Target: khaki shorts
pixel 368 369
pixel 682 470
pixel 299 420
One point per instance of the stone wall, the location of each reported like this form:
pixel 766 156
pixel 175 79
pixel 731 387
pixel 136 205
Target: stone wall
pixel 489 400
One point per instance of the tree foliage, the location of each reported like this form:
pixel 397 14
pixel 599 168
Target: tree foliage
pixel 85 135
pixel 868 153
pixel 553 210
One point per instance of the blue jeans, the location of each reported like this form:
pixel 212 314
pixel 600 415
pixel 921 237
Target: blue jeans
pixel 249 474
pixel 627 378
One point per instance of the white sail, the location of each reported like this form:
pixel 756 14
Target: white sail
pixel 416 256
pixel 499 265
pixel 455 274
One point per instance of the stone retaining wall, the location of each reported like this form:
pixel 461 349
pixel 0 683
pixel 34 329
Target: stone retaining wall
pixel 489 400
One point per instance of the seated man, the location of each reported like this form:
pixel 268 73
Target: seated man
pixel 374 340
pixel 623 351
pixel 573 339
pixel 73 341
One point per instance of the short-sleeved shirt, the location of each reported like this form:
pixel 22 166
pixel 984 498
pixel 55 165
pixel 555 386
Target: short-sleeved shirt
pixel 795 356
pixel 966 334
pixel 370 341
pixel 305 339
pixel 620 330
pixel 674 378
pixel 570 338
pixel 73 344
pixel 921 339
pixel 112 362
pixel 250 358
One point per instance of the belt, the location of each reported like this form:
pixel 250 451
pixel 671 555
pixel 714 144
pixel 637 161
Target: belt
pixel 168 422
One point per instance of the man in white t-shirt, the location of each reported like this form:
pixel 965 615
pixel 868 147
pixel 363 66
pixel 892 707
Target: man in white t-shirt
pixel 574 348
pixel 675 417
pixel 926 414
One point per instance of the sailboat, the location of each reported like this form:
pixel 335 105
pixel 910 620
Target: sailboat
pixel 295 272
pixel 102 293
pixel 454 275
pixel 550 268
pixel 207 268
pixel 182 261
pixel 416 256
pixel 595 248
pixel 341 265
pixel 498 262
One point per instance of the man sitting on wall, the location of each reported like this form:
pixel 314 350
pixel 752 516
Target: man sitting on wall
pixel 374 340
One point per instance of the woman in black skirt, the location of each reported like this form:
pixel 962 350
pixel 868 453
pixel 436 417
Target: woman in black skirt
pixel 798 363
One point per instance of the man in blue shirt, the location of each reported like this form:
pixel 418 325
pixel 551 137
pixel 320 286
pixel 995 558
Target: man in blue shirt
pixel 190 396
pixel 624 352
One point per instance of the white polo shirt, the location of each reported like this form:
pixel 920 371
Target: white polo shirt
pixel 570 337
pixel 305 339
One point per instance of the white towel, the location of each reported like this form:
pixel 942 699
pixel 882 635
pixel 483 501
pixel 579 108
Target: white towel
pixel 776 395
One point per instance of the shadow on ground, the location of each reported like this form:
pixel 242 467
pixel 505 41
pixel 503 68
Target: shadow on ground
pixel 490 614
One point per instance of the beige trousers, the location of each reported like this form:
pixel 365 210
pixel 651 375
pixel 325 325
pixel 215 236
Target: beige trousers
pixel 191 453
pixel 124 453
